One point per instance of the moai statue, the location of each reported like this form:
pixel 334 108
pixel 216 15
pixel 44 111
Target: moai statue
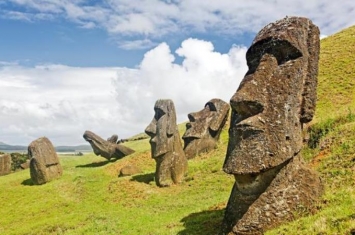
pixel 204 128
pixel 44 162
pixel 5 164
pixel 166 148
pixel 275 98
pixel 113 139
pixel 107 148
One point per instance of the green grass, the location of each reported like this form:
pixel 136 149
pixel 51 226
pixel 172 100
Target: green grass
pixel 90 198
pixel 336 80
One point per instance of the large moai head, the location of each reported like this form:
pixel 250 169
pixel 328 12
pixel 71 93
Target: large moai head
pixel 166 148
pixel 204 127
pixel 276 96
pixel 162 128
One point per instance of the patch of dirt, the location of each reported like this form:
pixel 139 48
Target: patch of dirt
pixel 317 159
pixel 143 161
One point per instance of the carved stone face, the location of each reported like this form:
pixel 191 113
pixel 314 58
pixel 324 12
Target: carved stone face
pixel 276 96
pixel 162 128
pixel 272 101
pixel 204 128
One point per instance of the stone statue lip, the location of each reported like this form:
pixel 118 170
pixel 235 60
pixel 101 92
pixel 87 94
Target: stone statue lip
pixel 250 123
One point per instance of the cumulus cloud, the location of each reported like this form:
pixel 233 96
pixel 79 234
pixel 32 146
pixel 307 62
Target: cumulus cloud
pixel 204 74
pixel 152 19
pixel 56 101
pixel 61 102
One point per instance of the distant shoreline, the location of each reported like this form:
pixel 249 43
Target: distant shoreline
pixel 59 153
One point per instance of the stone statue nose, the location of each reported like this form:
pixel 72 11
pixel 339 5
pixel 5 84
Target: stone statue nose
pixel 151 130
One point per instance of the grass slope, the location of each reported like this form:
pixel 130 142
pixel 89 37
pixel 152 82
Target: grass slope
pixel 90 199
pixel 336 80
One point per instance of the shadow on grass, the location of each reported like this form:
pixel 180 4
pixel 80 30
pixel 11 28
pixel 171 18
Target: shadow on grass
pixel 27 182
pixel 205 222
pixel 94 164
pixel 146 178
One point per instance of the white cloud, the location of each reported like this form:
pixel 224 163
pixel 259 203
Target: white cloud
pixel 61 102
pixel 203 75
pixel 136 44
pixel 155 18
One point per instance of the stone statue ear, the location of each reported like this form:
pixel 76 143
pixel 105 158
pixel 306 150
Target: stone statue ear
pixel 220 118
pixel 309 95
pixel 171 119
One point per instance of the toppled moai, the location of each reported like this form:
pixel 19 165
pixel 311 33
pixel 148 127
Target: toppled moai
pixel 275 98
pixel 204 127
pixel 44 162
pixel 107 148
pixel 166 148
pixel 5 164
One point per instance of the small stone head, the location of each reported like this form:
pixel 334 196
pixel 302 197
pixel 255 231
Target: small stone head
pixel 276 96
pixel 162 128
pixel 204 127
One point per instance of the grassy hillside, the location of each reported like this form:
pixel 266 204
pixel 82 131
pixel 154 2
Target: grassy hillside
pixel 336 80
pixel 91 199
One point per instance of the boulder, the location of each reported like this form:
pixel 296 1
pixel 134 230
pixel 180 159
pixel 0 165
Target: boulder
pixel 129 170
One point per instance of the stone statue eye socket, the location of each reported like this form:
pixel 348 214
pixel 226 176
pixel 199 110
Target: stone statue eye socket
pixel 211 106
pixel 158 114
pixel 282 50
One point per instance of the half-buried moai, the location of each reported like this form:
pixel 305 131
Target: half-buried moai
pixel 5 164
pixel 166 148
pixel 275 98
pixel 204 127
pixel 107 148
pixel 44 162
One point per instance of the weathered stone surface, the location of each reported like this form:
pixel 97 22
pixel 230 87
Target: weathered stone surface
pixel 107 149
pixel 25 165
pixel 129 170
pixel 5 164
pixel 113 139
pixel 166 148
pixel 44 162
pixel 204 128
pixel 275 98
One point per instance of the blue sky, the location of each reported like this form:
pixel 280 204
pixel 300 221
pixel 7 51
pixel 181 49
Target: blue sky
pixel 71 65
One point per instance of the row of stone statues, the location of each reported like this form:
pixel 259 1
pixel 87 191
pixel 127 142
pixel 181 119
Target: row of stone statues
pixel 202 134
pixel 274 100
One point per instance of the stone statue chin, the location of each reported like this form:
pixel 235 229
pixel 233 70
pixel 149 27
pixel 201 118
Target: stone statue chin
pixel 275 98
pixel 204 127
